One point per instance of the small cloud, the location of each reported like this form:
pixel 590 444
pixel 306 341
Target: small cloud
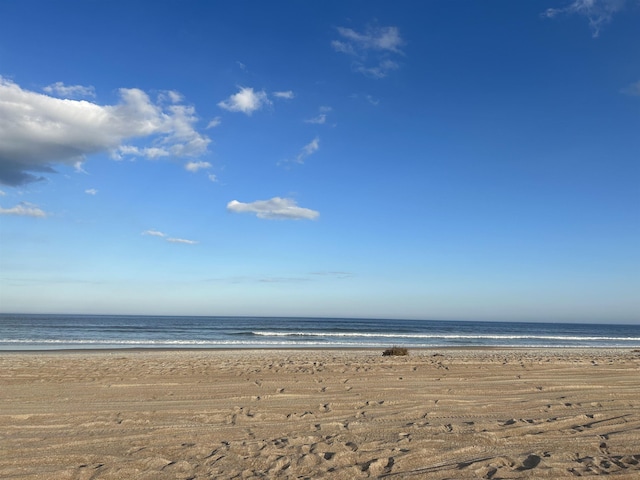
pixel 195 166
pixel 246 101
pixel 633 89
pixel 70 91
pixel 368 98
pixel 373 101
pixel 91 191
pixel 78 167
pixel 375 38
pixel 213 178
pixel 371 50
pixel 214 122
pixel 154 233
pixel 24 209
pixel 598 12
pixel 181 240
pixel 242 66
pixel 309 149
pixel 319 120
pixel 380 70
pixel 2 194
pixel 274 209
pixel 288 95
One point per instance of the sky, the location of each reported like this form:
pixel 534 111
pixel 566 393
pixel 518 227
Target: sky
pixel 446 160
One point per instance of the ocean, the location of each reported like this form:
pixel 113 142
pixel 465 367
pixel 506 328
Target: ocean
pixel 57 332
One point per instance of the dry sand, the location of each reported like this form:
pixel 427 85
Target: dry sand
pixel 320 414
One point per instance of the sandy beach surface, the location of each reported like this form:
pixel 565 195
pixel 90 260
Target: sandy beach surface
pixel 436 414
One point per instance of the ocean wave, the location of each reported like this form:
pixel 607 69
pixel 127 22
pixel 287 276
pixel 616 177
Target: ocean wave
pixel 443 336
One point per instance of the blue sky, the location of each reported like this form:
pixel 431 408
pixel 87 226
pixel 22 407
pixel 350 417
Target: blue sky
pixel 434 160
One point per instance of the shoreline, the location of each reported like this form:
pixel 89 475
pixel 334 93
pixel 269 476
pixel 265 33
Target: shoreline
pixel 420 350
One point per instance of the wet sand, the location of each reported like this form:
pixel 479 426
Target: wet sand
pixel 436 414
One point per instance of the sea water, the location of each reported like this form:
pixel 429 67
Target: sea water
pixel 48 332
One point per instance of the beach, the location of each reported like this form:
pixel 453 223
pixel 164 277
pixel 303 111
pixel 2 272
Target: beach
pixel 333 413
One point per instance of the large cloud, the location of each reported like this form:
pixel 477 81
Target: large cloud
pixel 38 131
pixel 274 209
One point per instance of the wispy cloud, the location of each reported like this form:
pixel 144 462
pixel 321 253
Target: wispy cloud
pixel 288 95
pixel 216 121
pixel 597 12
pixel 274 209
pixel 181 240
pixel 24 209
pixel 159 234
pixel 309 149
pixel 374 38
pixel 70 91
pixel 372 50
pixel 91 191
pixel 246 101
pixel 154 233
pixel 321 118
pixel 633 89
pixel 195 166
pixel 38 131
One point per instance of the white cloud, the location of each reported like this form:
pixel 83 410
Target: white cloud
pixel 38 131
pixel 375 38
pixel 181 240
pixel 91 191
pixel 195 166
pixel 598 12
pixel 380 70
pixel 24 209
pixel 154 233
pixel 2 194
pixel 246 101
pixel 78 167
pixel 309 149
pixel 149 152
pixel 212 177
pixel 175 97
pixel 371 50
pixel 70 91
pixel 633 89
pixel 214 122
pixel 319 120
pixel 287 95
pixel 274 209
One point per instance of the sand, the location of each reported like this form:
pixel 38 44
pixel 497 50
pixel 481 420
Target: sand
pixel 436 414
